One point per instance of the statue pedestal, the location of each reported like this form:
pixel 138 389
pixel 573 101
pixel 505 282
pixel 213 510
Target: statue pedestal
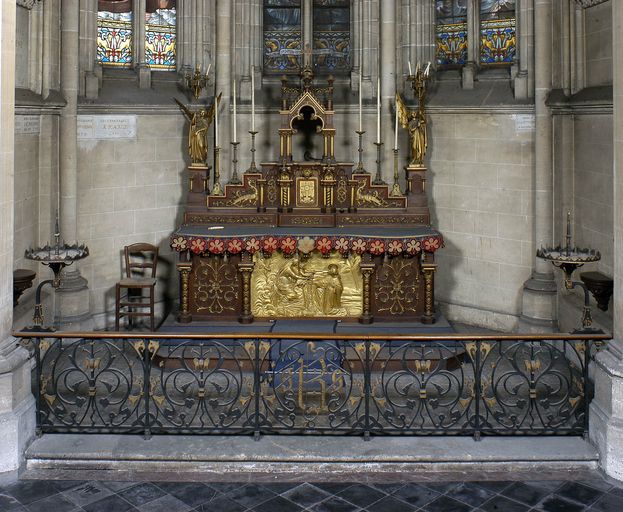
pixel 198 183
pixel 416 179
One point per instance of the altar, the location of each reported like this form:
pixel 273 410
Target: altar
pixel 306 239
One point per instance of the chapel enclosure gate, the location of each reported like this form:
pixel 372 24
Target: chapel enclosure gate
pixel 312 384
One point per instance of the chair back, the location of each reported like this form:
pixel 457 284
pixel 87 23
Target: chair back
pixel 140 258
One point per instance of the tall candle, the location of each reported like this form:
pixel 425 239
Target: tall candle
pixel 427 69
pixel 208 71
pixel 360 103
pixel 235 139
pixel 410 70
pixel 396 130
pixel 252 98
pixel 215 120
pixel 378 110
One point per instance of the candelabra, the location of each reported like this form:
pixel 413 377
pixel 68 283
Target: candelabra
pixel 396 192
pixel 197 82
pixel 217 190
pixel 360 169
pixel 252 167
pixel 235 180
pixel 378 180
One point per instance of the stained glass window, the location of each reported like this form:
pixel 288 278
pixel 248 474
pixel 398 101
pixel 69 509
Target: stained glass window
pixel 498 39
pixel 115 39
pixel 282 35
pixel 160 36
pixel 451 32
pixel 114 33
pixel 332 35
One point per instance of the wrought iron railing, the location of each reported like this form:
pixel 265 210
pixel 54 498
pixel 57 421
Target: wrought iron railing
pixel 267 384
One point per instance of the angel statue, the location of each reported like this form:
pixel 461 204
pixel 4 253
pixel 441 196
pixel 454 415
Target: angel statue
pixel 415 122
pixel 200 122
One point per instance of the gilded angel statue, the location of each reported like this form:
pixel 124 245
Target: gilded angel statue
pixel 415 122
pixel 200 122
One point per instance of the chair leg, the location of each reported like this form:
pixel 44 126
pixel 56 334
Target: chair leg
pixel 152 292
pixel 117 301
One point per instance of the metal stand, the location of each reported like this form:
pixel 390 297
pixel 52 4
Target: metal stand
pixel 360 169
pixel 378 180
pixel 396 192
pixel 235 180
pixel 217 190
pixel 252 167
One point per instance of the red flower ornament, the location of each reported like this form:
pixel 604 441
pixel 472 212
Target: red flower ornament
pixel 197 245
pixel 431 244
pixel 252 245
pixel 359 246
pixel 234 246
pixel 216 246
pixel 377 247
pixel 179 244
pixel 324 245
pixel 288 245
pixel 413 247
pixel 395 247
pixel 270 245
pixel 342 245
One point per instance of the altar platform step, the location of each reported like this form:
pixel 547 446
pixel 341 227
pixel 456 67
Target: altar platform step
pixel 309 326
pixel 308 458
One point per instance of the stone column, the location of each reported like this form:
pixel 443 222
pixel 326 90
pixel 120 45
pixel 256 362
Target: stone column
pixel 142 69
pixel 388 81
pixel 17 418
pixel 369 51
pixel 524 81
pixel 606 418
pixel 89 82
pixel 73 294
pixel 223 78
pixel 308 24
pixel 539 294
pixel 473 44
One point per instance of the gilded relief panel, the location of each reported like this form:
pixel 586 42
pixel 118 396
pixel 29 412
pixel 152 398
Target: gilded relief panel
pixel 216 286
pixel 307 287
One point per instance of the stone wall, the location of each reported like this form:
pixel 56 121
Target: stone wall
pixel 480 176
pixel 598 44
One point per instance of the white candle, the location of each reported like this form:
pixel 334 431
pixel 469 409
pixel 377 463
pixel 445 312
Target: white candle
pixel 378 110
pixel 427 69
pixel 208 71
pixel 410 70
pixel 396 130
pixel 215 120
pixel 360 103
pixel 252 98
pixel 417 67
pixel 235 139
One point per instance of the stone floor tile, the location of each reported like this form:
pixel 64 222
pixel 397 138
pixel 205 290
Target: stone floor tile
pixel 54 503
pixel 334 504
pixel 501 504
pixel 390 504
pixel 109 504
pixel 219 504
pixel 389 488
pixel 616 492
pixel 117 486
pixel 66 485
pixel 527 493
pixel 306 495
pixel 607 503
pixel 167 503
pixel 280 488
pixel 558 504
pixel 440 487
pixel 493 485
pixel 225 487
pixel 446 504
pixel 87 493
pixel 602 485
pixel 416 495
pixel 278 504
pixel 141 493
pixel 471 494
pixel 10 504
pixel 361 495
pixel 191 493
pixel 27 491
pixel 251 495
pixel 332 488
pixel 579 493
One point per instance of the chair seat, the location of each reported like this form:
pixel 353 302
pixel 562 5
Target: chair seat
pixel 137 282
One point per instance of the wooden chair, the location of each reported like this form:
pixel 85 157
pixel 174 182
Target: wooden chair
pixel 141 260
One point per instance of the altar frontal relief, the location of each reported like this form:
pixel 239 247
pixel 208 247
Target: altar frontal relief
pixel 313 286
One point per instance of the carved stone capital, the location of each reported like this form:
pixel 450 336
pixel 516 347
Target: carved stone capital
pixel 28 4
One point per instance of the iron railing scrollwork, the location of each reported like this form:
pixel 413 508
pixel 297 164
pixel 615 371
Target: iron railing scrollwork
pixel 269 384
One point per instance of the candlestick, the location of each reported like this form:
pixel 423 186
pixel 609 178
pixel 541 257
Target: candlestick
pixel 378 110
pixel 215 120
pixel 378 180
pixel 360 103
pixel 234 180
pixel 360 169
pixel 217 190
pixel 253 98
pixel 235 118
pixel 252 167
pixel 396 130
pixel 568 229
pixel 396 192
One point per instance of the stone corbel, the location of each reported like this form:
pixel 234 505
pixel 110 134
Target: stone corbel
pixel 27 4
